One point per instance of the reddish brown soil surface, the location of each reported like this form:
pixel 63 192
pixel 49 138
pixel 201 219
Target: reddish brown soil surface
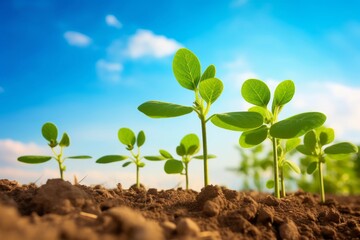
pixel 60 210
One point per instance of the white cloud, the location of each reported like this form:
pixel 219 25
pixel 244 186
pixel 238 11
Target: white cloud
pixel 10 150
pixel 146 43
pixel 109 71
pixel 112 21
pixel 77 39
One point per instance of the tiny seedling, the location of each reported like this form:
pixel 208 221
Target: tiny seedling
pixel 314 142
pixel 206 87
pixel 127 137
pixel 189 146
pixel 50 133
pixel 260 123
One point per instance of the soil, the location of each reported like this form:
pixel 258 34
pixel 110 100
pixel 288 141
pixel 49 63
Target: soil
pixel 60 210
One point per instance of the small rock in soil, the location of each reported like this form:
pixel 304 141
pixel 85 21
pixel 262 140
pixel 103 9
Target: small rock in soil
pixel 169 229
pixel 187 227
pixel 211 208
pixel 289 231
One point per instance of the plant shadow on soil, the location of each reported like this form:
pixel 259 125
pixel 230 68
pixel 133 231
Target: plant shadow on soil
pixel 60 210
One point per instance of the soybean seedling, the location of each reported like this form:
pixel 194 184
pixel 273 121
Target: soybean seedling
pixel 50 133
pixel 127 137
pixel 206 87
pixel 189 146
pixel 261 123
pixel 314 142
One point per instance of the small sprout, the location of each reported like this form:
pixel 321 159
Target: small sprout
pixel 260 123
pixel 127 137
pixel 207 90
pixel 50 133
pixel 314 142
pixel 189 146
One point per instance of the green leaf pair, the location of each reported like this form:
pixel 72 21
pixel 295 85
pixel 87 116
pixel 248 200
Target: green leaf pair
pixel 50 133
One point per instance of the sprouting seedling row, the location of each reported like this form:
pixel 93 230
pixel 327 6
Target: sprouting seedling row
pixel 50 133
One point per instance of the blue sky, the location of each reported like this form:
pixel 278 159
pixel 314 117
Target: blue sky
pixel 87 65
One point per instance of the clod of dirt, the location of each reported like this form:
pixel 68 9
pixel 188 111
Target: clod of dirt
pixel 265 214
pixel 271 201
pixel 330 215
pixel 328 232
pixel 249 208
pixel 211 208
pixel 209 193
pixel 58 196
pixel 289 231
pixel 129 224
pixel 169 229
pixel 187 227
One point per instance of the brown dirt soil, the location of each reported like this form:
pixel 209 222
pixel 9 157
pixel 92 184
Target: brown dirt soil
pixel 60 210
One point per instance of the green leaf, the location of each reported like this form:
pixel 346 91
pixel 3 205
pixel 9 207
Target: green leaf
pixel 49 132
pixel 127 164
pixel 304 150
pixel 326 135
pixel 180 150
pixel 253 137
pixel 141 164
pixel 155 158
pixel 165 154
pixel 297 125
pixel 79 157
pixel 191 144
pixel 293 166
pixel 201 157
pixel 140 140
pixel 267 115
pixel 111 158
pixel 156 109
pixel 341 148
pixel 312 167
pixel 292 144
pixel 238 121
pixel 256 92
pixel 34 159
pixel 127 137
pixel 173 166
pixel 65 140
pixel 210 89
pixel 310 140
pixel 270 184
pixel 284 92
pixel 186 68
pixel 209 73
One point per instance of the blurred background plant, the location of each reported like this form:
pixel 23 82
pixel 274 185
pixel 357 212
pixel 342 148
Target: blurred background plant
pixel 340 176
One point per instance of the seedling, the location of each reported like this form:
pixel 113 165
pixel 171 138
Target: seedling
pixel 127 137
pixel 260 123
pixel 50 133
pixel 189 146
pixel 314 142
pixel 207 89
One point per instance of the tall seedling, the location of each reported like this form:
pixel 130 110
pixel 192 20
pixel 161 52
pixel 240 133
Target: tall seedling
pixel 50 133
pixel 314 142
pixel 267 125
pixel 189 146
pixel 206 88
pixel 127 137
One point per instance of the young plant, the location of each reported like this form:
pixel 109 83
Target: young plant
pixel 189 146
pixel 263 123
pixel 206 88
pixel 314 142
pixel 50 133
pixel 127 137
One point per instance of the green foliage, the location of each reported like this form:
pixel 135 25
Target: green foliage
pixel 50 133
pixel 207 89
pixel 259 123
pixel 313 147
pixel 128 138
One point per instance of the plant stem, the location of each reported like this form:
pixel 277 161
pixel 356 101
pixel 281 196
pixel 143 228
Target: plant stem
pixel 203 131
pixel 187 175
pixel 321 183
pixel 282 179
pixel 137 176
pixel 276 168
pixel 60 168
